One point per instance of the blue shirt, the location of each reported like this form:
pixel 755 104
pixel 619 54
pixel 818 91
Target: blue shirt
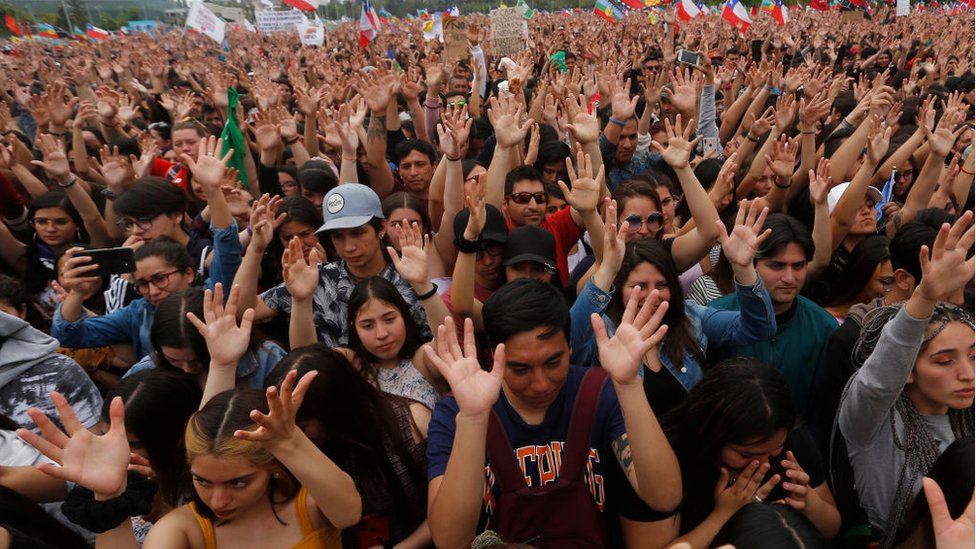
pixel 252 369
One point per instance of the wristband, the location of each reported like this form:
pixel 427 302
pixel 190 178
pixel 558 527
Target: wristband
pixel 352 158
pixel 617 122
pixel 81 508
pixel 109 194
pixel 751 138
pixel 811 132
pixel 467 246
pixel 58 134
pixel 774 91
pixel 449 159
pixel 963 170
pixel 779 186
pixel 293 141
pixel 428 295
pixel 74 179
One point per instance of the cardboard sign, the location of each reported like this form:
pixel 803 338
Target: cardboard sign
pixel 311 33
pixel 902 8
pixel 509 31
pixel 278 21
pixel 455 38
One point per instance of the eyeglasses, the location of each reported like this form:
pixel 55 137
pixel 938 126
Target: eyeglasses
pixel 159 280
pixel 126 223
pixel 289 185
pixel 654 222
pixel 525 198
pixel 907 174
pixel 493 250
pixel 43 221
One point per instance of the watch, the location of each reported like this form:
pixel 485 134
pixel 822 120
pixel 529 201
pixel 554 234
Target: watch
pixel 467 246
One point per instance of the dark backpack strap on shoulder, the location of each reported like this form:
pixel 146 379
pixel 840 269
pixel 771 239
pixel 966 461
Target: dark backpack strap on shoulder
pixel 501 457
pixel 577 450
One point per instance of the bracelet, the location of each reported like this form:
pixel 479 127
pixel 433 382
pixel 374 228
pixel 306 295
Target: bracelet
pixel 81 508
pixel 293 141
pixel 428 295
pixel 963 170
pixel 786 186
pixel 751 138
pixel 8 132
pixel 811 132
pixel 109 194
pixel 74 179
pixel 468 246
pixel 352 158
pixel 617 122
pixel 449 159
pixel 58 134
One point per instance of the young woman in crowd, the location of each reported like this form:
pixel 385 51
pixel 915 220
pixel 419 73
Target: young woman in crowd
pixel 377 438
pixel 738 444
pixel 645 265
pixel 869 276
pixel 913 395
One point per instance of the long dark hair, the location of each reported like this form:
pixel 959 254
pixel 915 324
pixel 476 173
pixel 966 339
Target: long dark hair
pixel 865 259
pixel 149 197
pixel 362 433
pixel 770 527
pixel 37 275
pixel 739 401
pixel 407 201
pixel 145 394
pixel 379 288
pixel 33 522
pixel 680 337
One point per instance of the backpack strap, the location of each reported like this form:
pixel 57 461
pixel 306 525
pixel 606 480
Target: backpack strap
pixel 577 450
pixel 507 472
pixel 505 467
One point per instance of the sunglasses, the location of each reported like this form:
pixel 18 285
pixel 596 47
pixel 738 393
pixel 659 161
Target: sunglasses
pixel 654 222
pixel 525 198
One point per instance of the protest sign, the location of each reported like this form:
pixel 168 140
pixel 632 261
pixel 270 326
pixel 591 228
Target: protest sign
pixel 278 21
pixel 509 31
pixel 455 38
pixel 311 33
pixel 205 21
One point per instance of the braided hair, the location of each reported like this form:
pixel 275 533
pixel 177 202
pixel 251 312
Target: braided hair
pixel 920 448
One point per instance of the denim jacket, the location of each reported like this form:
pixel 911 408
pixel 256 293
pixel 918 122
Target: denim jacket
pixel 132 323
pixel 755 321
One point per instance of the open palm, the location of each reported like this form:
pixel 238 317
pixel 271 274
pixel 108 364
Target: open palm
pixel 226 340
pixel 97 462
pixel 639 332
pixel 474 389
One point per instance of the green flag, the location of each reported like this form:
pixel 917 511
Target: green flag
pixel 233 138
pixel 527 12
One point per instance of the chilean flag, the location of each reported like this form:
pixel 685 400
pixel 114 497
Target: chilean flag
pixel 369 24
pixel 687 10
pixel 780 12
pixel 820 5
pixel 97 33
pixel 304 5
pixel 737 15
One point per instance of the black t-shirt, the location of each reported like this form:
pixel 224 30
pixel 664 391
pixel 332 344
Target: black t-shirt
pixel 700 479
pixel 664 392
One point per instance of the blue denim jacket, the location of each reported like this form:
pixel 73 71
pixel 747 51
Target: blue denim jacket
pixel 755 321
pixel 131 324
pixel 252 369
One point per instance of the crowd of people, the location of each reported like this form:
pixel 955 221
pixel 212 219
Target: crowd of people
pixel 643 285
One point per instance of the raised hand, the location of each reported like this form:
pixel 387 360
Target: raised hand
pixel 477 206
pixel 584 126
pixel 640 331
pixel 115 168
pixel 262 222
pixel 622 105
pixel 878 142
pixel 98 463
pixel 412 262
pixel 474 389
pixel 783 158
pixel 226 341
pixel 504 114
pixel 584 195
pixel 947 270
pixel 59 110
pixel 684 97
pixel 943 138
pixel 747 235
pixel 301 276
pixel 277 428
pixel 55 161
pixel 820 182
pixel 949 533
pixel 208 168
pixel 678 149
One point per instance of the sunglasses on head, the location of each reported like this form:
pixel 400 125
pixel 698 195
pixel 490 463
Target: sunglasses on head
pixel 654 222
pixel 525 198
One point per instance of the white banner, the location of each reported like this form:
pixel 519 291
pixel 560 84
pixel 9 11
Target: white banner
pixel 205 21
pixel 311 34
pixel 278 21
pixel 902 8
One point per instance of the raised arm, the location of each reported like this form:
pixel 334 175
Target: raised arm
pixel 820 183
pixel 301 279
pixel 378 94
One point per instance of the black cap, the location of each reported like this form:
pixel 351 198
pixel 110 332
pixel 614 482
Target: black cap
pixel 496 229
pixel 531 243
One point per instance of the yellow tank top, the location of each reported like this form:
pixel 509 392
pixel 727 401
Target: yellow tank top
pixel 323 538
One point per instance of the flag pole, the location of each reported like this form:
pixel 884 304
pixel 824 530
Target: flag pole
pixel 67 16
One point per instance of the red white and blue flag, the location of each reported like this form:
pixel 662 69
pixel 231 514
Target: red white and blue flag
pixel 737 15
pixel 304 5
pixel 780 12
pixel 688 10
pixel 369 24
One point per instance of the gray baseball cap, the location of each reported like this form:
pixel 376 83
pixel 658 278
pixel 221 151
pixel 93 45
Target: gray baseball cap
pixel 348 206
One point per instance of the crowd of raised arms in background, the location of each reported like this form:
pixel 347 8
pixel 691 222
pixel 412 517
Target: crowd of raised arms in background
pixel 669 284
